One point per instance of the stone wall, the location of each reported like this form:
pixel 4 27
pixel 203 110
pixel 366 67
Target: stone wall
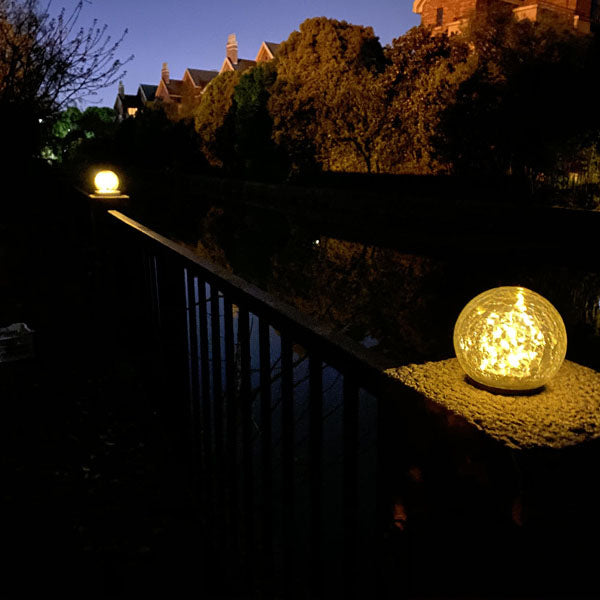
pixel 453 11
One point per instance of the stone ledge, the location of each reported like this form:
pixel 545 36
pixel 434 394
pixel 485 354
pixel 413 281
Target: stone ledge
pixel 564 413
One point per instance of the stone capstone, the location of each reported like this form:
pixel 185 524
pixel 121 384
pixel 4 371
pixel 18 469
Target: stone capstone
pixel 565 412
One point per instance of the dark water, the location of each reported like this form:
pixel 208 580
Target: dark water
pixel 399 302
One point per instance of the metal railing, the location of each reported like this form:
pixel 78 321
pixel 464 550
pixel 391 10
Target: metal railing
pixel 285 424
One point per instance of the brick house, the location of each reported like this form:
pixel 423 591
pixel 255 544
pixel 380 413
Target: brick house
pixel 173 92
pixel 127 105
pixel 266 52
pixel 194 81
pixel 449 16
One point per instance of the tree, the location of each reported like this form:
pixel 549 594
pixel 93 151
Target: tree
pixel 215 128
pixel 527 100
pixel 71 129
pixel 257 153
pixel 190 101
pixel 154 141
pixel 326 104
pixel 48 63
pixel 420 81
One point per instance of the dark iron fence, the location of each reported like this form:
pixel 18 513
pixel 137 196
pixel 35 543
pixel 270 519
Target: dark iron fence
pixel 315 473
pixel 285 425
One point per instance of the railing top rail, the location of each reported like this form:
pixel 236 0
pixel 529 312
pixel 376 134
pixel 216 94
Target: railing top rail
pixel 367 368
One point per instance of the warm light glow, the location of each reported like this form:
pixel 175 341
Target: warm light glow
pixel 510 338
pixel 106 182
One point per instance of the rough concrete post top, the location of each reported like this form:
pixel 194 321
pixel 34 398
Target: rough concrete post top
pixel 563 413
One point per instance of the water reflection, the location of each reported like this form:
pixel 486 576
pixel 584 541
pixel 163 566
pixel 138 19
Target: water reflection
pixel 399 303
pixel 279 410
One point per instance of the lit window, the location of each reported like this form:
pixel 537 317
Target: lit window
pixel 439 17
pixel 131 111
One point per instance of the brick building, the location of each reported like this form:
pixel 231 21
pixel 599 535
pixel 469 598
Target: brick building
pixel 194 81
pixel 127 105
pixel 266 52
pixel 171 92
pixel 449 16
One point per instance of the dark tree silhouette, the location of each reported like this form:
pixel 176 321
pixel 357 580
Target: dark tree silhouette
pixel 257 153
pixel 327 103
pixel 213 122
pixel 48 63
pixel 527 102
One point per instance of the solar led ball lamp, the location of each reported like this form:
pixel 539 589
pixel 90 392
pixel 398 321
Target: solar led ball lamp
pixel 510 338
pixel 107 183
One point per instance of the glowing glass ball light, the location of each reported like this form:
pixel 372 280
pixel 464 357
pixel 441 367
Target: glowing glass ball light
pixel 106 183
pixel 510 338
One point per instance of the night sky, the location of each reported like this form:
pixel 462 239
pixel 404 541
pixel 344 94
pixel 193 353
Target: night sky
pixel 193 33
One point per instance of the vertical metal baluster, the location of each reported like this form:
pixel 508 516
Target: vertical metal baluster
pixel 151 333
pixel 217 402
pixel 206 434
pixel 173 324
pixel 287 459
pixel 315 370
pixel 155 282
pixel 147 283
pixel 247 468
pixel 216 370
pixel 152 286
pixel 194 380
pixel 231 408
pixel 266 443
pixel 350 485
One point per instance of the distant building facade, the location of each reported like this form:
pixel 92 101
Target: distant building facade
pixel 127 105
pixel 174 92
pixel 266 52
pixel 450 16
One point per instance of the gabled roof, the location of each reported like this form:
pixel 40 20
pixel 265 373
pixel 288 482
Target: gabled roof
pixel 242 65
pixel 174 87
pixel 273 48
pixel 129 100
pixel 267 51
pixel 123 102
pixel 171 90
pixel 201 77
pixel 147 91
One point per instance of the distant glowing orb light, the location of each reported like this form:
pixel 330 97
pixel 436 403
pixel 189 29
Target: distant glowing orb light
pixel 510 338
pixel 107 183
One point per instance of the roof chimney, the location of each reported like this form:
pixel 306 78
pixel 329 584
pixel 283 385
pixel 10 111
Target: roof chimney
pixel 232 48
pixel 121 89
pixel 165 73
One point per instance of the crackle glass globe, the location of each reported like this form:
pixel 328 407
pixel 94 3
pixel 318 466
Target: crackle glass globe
pixel 106 182
pixel 510 338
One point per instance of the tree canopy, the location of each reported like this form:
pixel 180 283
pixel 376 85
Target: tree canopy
pixel 504 97
pixel 216 131
pixel 526 99
pixel 326 94
pixel 71 128
pixel 48 63
pixel 257 154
